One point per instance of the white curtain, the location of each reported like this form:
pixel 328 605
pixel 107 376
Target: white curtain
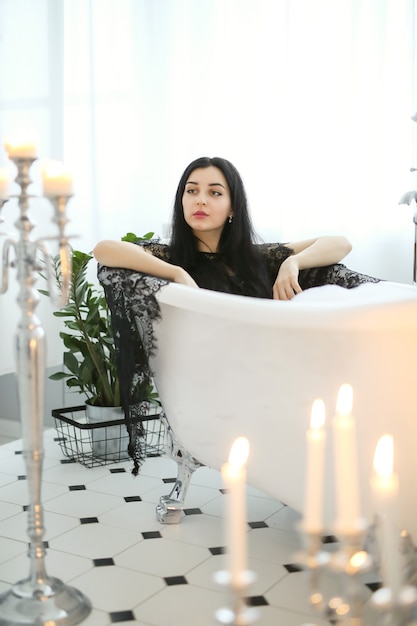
pixel 310 99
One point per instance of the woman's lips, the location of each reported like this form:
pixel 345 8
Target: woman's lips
pixel 200 214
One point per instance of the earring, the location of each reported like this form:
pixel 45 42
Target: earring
pixel 230 219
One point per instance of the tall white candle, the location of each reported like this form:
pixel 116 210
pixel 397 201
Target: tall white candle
pixel 22 145
pixel 4 183
pixel 234 477
pixel 385 490
pixel 56 180
pixel 346 463
pixel 316 439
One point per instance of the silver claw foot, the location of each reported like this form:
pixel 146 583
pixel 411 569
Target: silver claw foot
pixel 169 511
pixel 170 507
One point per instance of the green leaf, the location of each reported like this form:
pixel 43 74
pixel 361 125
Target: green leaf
pixel 59 376
pixel 89 352
pixel 71 362
pixel 134 238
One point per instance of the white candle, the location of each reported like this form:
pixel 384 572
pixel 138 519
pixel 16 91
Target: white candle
pixel 385 489
pixel 346 463
pixel 234 477
pixel 316 439
pixel 21 146
pixel 56 180
pixel 4 183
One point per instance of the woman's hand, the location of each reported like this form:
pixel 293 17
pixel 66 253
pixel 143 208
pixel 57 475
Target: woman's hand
pixel 306 254
pixel 286 284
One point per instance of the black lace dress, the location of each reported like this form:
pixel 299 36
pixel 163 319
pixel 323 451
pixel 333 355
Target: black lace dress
pixel 134 309
pixel 214 273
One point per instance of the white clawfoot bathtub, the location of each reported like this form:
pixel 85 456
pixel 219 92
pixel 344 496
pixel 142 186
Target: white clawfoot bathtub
pixel 228 366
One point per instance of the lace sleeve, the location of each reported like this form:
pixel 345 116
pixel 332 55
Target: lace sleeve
pixel 134 309
pixel 160 250
pixel 274 254
pixel 337 274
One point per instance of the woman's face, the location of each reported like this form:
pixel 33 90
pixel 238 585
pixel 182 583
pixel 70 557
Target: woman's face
pixel 206 203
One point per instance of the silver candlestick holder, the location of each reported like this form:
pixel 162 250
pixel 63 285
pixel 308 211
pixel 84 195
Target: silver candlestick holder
pixel 238 613
pixel 38 599
pixel 359 553
pixel 349 562
pixel 398 606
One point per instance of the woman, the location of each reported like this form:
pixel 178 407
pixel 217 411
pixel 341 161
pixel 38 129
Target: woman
pixel 213 243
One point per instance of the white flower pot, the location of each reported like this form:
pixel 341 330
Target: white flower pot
pixel 108 442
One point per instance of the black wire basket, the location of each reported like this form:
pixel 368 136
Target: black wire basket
pixel 101 443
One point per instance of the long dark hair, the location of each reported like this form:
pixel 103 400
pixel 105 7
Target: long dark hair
pixel 236 245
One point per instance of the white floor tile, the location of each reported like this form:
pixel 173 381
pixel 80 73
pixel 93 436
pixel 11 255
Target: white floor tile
pixel 114 588
pixel 57 564
pixel 17 492
pixel 274 546
pixel 73 474
pixel 8 510
pixel 284 519
pixel 124 484
pixel 82 503
pixel 200 530
pixel 95 541
pixel 182 604
pixel 109 520
pixel 162 557
pixel 9 550
pixel 54 523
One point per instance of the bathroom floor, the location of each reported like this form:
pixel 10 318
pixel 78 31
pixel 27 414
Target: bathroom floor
pixel 103 539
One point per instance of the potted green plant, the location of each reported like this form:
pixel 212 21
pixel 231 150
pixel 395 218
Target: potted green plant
pixel 89 357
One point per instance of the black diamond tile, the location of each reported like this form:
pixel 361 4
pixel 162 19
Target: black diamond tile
pixel 122 616
pixel 18 451
pixel 256 601
pixel 219 550
pixel 373 586
pixel 25 507
pixel 133 499
pixel 293 567
pixel 329 539
pixel 103 562
pixel 67 461
pixel 21 477
pixel 45 544
pixel 152 534
pixel 258 524
pixel 118 470
pixel 176 580
pixel 224 491
pixel 77 487
pixel 193 511
pixel 89 520
pixel 60 439
pixel 169 480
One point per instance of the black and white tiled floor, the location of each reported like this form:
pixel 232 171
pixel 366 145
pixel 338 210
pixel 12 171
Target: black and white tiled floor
pixel 103 538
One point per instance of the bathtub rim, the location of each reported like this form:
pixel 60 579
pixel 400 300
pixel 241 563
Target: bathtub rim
pixel 368 313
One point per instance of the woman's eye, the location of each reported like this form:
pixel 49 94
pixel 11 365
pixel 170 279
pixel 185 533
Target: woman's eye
pixel 190 191
pixel 216 193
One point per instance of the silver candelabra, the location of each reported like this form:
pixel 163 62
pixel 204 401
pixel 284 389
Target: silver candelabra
pixel 360 552
pixel 38 599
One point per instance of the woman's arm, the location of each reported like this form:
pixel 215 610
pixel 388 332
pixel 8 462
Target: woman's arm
pixel 317 252
pixel 134 257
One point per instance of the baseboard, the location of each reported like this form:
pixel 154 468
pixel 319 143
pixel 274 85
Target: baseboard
pixel 10 428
